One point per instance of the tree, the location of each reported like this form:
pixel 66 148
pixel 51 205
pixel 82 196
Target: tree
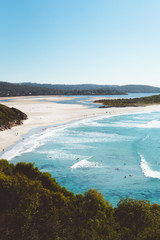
pixel 135 215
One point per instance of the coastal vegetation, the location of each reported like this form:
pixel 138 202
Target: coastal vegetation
pixel 35 89
pixel 10 117
pixel 131 88
pixel 33 206
pixel 131 102
pixel 10 89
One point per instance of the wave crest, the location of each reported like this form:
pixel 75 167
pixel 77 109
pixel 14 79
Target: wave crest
pixel 85 164
pixel 148 172
pixel 151 124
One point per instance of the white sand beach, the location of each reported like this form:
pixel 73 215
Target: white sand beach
pixel 46 113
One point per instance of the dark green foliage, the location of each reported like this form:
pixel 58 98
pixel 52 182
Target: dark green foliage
pixel 10 89
pixel 70 86
pixel 126 88
pixel 33 206
pixel 7 168
pixel 134 216
pixel 139 89
pixel 10 117
pixel 34 89
pixel 28 170
pixel 131 102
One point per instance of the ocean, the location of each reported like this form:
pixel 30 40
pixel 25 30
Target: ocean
pixel 117 155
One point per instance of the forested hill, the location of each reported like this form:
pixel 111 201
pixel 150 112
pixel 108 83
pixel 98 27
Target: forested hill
pixel 35 89
pixel 10 89
pixel 10 117
pixel 71 86
pixel 139 89
pixel 126 88
pixel 33 206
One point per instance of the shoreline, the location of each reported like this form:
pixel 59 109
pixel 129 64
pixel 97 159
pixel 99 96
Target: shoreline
pixel 45 114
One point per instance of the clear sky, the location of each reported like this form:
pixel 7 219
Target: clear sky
pixel 80 41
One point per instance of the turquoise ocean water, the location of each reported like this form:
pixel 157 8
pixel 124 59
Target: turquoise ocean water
pixel 118 155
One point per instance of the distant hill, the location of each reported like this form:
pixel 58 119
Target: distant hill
pixel 125 89
pixel 139 89
pixel 35 89
pixel 71 87
pixel 10 89
pixel 10 117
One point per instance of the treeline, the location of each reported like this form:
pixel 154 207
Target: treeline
pixel 10 90
pixel 35 89
pixel 131 102
pixel 33 206
pixel 132 88
pixel 10 117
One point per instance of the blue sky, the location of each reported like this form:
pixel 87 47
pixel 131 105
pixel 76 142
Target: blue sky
pixel 80 41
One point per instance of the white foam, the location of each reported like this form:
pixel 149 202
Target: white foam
pixel 30 143
pixel 151 124
pixel 93 139
pixel 26 145
pixel 77 146
pixel 60 134
pixel 85 164
pixel 47 133
pixel 123 124
pixel 145 138
pixel 98 135
pixel 148 172
pixel 60 154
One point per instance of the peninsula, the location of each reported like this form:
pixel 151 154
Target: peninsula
pixel 131 102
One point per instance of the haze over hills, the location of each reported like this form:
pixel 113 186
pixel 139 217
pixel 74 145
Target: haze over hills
pixel 126 88
pixel 71 86
pixel 138 89
pixel 35 89
pixel 11 89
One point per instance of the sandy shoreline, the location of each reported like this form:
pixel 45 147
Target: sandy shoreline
pixel 47 113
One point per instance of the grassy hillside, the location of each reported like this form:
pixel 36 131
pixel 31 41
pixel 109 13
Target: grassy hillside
pixel 10 117
pixel 131 102
pixel 33 206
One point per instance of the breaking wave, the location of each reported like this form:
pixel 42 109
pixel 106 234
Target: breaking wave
pixel 85 164
pixel 148 172
pixel 151 124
